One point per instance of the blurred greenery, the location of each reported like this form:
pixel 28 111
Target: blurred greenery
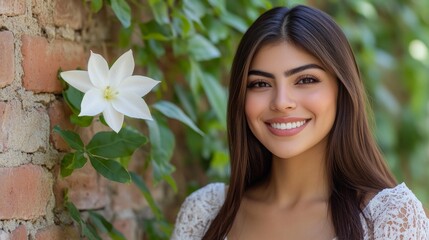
pixel 189 45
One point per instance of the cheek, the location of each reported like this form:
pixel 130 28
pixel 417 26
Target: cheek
pixel 252 106
pixel 324 103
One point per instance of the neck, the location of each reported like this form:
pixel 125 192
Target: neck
pixel 299 179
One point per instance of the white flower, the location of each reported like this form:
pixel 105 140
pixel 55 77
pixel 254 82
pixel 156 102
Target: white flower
pixel 113 92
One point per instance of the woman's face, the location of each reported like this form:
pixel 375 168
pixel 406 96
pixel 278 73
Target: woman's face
pixel 291 100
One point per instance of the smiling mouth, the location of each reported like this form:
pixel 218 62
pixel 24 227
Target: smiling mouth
pixel 288 126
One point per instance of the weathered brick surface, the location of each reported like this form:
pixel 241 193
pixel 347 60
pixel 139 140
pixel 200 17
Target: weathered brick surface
pixel 43 59
pixel 25 190
pixel 55 232
pixel 59 114
pixel 129 228
pixel 69 13
pixel 39 11
pixel 4 235
pixel 32 132
pixel 7 66
pixel 12 7
pixel 20 233
pixel 85 187
pixel 127 197
pixel 2 134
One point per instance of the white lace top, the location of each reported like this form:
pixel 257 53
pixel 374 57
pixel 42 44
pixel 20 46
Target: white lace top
pixel 394 213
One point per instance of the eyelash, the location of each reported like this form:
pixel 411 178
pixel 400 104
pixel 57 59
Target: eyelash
pixel 307 78
pixel 257 84
pixel 303 80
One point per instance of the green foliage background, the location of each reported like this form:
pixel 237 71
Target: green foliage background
pixel 189 46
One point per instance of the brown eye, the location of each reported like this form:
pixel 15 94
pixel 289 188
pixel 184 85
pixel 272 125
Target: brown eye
pixel 307 80
pixel 258 84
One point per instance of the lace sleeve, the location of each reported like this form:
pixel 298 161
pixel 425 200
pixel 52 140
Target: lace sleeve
pixel 198 211
pixel 398 214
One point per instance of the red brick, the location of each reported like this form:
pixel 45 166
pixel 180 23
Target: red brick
pixel 2 121
pixel 85 189
pixel 42 60
pixel 59 114
pixel 20 233
pixel 55 232
pixel 12 7
pixel 7 66
pixel 129 228
pixel 127 196
pixel 69 13
pixel 25 192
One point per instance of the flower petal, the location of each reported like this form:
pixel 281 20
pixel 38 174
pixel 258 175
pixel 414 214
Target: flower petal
pixel 98 70
pixel 78 79
pixel 122 68
pixel 113 118
pixel 140 85
pixel 93 103
pixel 132 106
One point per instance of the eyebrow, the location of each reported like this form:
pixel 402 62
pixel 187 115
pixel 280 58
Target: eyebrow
pixel 288 72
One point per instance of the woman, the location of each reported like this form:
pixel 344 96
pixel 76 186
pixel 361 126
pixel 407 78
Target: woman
pixel 304 164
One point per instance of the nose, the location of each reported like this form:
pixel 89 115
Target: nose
pixel 283 99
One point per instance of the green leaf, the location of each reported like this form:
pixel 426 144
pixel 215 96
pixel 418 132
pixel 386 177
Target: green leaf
pixel 172 111
pixel 83 121
pixel 96 5
pixel 115 145
pixel 162 144
pixel 90 232
pixel 156 48
pixel 157 229
pixel 160 11
pixel 122 11
pixel 182 24
pixel 110 169
pixel 72 161
pixel 156 36
pixel 71 138
pixel 74 213
pixel 87 230
pixel 202 49
pixel 216 95
pixel 194 10
pixel 217 30
pixel 195 77
pixel 186 101
pixel 105 226
pixel 125 35
pixel 73 98
pixel 234 21
pixel 125 161
pixel 146 193
pixel 155 30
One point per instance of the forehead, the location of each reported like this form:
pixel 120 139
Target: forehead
pixel 282 55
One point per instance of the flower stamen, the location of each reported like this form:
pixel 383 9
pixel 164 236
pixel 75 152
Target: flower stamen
pixel 109 93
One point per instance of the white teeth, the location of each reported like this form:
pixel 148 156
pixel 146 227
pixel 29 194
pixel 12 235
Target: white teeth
pixel 288 126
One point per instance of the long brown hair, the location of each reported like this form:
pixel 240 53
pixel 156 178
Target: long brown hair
pixel 355 165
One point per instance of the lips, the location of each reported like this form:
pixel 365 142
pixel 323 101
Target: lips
pixel 287 126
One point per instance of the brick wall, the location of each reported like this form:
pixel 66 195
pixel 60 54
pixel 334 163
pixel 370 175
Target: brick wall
pixel 37 37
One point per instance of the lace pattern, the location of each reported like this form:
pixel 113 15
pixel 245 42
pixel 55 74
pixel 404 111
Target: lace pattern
pixel 198 211
pixel 394 213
